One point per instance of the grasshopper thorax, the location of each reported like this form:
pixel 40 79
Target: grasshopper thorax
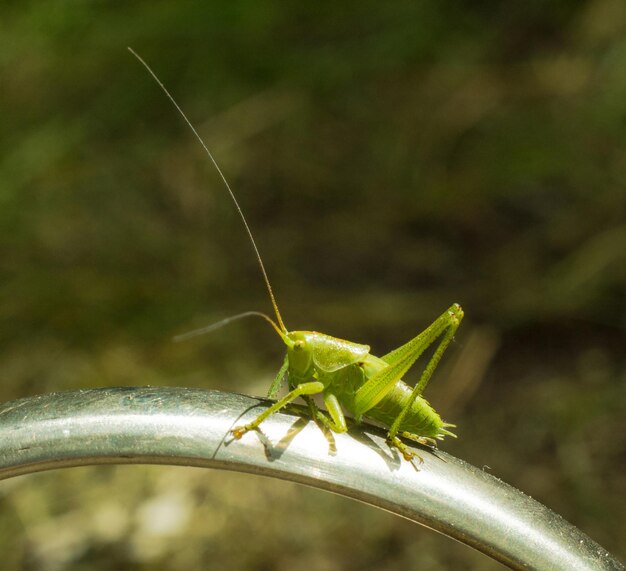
pixel 310 350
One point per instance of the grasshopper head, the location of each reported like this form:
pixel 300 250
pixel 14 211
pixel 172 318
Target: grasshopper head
pixel 300 353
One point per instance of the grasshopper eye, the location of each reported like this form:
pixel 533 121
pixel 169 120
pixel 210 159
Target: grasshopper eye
pixel 298 345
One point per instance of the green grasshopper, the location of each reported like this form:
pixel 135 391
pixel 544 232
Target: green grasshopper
pixel 346 374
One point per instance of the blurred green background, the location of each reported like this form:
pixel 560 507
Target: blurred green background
pixel 392 158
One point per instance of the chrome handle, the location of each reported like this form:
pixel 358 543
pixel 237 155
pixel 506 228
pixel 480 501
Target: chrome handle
pixel 191 427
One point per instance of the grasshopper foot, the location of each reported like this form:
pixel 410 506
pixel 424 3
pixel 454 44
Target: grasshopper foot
pixel 423 440
pixel 239 431
pixel 395 442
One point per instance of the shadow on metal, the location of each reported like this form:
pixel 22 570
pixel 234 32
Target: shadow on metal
pixel 191 427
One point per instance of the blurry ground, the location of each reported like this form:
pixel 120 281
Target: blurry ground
pixel 392 159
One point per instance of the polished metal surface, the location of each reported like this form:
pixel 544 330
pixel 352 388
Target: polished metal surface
pixel 191 427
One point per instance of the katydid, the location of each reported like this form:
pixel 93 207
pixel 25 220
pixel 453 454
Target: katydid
pixel 346 374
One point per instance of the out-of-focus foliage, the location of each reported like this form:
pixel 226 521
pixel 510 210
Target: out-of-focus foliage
pixel 392 158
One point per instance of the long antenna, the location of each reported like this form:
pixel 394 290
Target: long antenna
pixel 223 322
pixel 232 194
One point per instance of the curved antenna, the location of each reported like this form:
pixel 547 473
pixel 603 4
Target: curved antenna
pixel 232 194
pixel 226 321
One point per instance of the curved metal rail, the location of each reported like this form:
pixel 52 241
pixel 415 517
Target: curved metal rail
pixel 190 427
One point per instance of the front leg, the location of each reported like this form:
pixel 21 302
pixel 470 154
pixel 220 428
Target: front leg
pixel 311 388
pixel 275 386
